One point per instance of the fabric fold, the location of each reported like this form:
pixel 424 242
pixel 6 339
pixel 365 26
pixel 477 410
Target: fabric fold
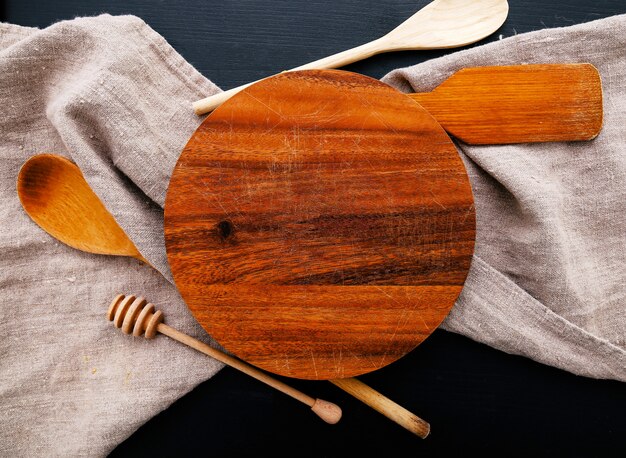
pixel 493 310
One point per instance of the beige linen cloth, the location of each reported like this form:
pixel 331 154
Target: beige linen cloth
pixel 548 280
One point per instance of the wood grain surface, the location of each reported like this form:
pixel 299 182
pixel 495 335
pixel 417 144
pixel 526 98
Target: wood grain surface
pixel 54 193
pixel 519 103
pixel 319 224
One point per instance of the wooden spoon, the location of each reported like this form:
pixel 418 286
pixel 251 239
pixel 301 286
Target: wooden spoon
pixel 56 196
pixel 440 24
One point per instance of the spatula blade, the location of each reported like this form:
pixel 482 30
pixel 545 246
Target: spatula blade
pixel 519 103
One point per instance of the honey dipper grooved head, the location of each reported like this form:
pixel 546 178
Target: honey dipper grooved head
pixel 134 315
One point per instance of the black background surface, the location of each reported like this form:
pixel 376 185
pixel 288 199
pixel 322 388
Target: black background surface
pixel 477 399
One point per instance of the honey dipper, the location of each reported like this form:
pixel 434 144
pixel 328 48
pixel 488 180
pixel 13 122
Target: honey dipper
pixel 136 316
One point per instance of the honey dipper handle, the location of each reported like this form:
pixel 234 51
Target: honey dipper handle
pixel 384 405
pixel 136 316
pixel 327 411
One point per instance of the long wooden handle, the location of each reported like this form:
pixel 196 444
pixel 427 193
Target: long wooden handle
pixel 340 59
pixel 210 103
pixel 352 386
pixel 137 316
pixel 327 411
pixel 384 405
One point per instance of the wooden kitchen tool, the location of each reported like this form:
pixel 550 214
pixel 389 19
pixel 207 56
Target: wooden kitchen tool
pixel 50 188
pixel 508 104
pixel 49 185
pixel 440 24
pixel 319 224
pixel 518 103
pixel 136 316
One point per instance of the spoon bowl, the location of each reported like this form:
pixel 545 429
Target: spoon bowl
pixel 56 196
pixel 448 24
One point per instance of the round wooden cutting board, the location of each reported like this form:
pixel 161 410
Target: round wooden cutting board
pixel 319 224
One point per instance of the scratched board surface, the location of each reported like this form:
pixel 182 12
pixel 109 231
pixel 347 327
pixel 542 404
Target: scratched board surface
pixel 319 224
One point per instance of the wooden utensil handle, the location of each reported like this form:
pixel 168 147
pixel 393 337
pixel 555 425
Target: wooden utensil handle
pixel 210 103
pixel 135 315
pixel 384 405
pixel 352 386
pixel 340 59
pixel 345 57
pixel 327 411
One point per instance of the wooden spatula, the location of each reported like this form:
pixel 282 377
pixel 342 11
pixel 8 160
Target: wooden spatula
pixel 518 103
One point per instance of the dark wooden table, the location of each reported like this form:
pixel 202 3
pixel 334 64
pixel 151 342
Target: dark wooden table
pixel 477 399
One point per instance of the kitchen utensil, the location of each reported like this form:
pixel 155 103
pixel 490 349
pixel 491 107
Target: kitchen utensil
pixel 45 185
pixel 135 315
pixel 51 188
pixel 518 103
pixel 440 24
pixel 319 224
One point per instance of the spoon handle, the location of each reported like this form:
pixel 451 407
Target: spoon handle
pixel 340 59
pixel 384 405
pixel 440 24
pixel 137 316
pixel 345 57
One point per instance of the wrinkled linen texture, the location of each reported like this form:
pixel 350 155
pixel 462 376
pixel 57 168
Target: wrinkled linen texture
pixel 547 280
pixel 112 95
